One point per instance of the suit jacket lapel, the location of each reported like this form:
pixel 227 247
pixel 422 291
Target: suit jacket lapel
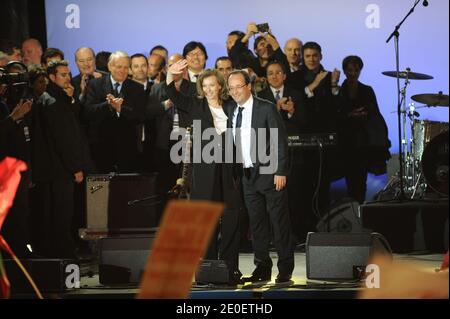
pixel 108 85
pixel 207 112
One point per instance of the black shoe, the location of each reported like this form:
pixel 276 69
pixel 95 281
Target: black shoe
pixel 235 278
pixel 260 274
pixel 283 278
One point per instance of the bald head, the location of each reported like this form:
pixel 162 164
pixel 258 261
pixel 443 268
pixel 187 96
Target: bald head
pixel 173 59
pixel 293 51
pixel 85 60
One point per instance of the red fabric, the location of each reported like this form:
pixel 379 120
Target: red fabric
pixel 10 169
pixel 445 262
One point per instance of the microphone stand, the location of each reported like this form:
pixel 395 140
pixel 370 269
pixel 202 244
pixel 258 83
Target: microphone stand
pixel 396 34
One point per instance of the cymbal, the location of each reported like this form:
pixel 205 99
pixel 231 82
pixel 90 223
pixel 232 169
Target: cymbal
pixel 408 74
pixel 432 99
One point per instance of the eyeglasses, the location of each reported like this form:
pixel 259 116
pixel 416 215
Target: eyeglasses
pixel 275 73
pixel 231 89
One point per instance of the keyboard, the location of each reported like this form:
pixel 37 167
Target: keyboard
pixel 313 140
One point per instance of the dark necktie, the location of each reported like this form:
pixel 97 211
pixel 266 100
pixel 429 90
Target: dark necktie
pixel 116 89
pixel 277 95
pixel 238 140
pixel 239 117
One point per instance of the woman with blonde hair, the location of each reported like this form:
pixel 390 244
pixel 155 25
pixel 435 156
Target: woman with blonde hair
pixel 214 179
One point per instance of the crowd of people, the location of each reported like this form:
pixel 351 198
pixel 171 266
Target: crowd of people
pixel 118 113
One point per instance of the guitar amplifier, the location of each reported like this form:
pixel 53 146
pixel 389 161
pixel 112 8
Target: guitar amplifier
pixel 121 201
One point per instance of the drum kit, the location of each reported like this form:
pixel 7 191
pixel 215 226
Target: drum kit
pixel 425 150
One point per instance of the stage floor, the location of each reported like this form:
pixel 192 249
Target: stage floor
pixel 299 288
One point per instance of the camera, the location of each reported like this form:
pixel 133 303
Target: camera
pixel 263 27
pixel 17 80
pixel 12 78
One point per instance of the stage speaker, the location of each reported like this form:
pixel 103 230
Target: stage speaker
pixel 341 256
pixel 212 271
pixel 122 260
pixel 342 218
pixel 118 201
pixel 49 274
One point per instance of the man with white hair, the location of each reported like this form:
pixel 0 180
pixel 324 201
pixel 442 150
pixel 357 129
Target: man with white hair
pixel 32 51
pixel 293 52
pixel 114 106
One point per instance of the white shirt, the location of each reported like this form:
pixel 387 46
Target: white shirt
pixel 119 88
pixel 274 91
pixel 281 89
pixel 192 76
pixel 246 129
pixel 219 118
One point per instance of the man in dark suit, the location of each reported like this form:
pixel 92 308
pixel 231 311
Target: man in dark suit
pixel 263 181
pixel 291 106
pixel 163 116
pixel 85 60
pixel 320 93
pixel 114 106
pixel 289 101
pixel 57 161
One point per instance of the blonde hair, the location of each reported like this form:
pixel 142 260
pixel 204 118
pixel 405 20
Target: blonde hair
pixel 223 94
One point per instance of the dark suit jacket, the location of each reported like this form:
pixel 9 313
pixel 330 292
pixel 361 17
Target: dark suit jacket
pixel 265 116
pixel 113 139
pixel 204 175
pixel 76 83
pixel 323 108
pixel 242 58
pixel 298 121
pixel 161 119
pixel 57 149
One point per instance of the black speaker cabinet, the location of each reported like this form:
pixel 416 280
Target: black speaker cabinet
pixel 49 274
pixel 212 272
pixel 409 225
pixel 123 259
pixel 118 201
pixel 342 217
pixel 341 256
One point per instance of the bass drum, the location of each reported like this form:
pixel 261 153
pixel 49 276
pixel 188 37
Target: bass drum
pixel 435 164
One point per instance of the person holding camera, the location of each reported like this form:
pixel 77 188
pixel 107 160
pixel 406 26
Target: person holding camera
pixel 265 46
pixel 15 107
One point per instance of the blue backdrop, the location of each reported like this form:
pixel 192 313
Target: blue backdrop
pixel 342 27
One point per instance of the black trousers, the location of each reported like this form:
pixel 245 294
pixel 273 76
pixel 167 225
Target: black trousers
pixel 268 206
pixel 52 219
pixel 16 226
pixel 224 244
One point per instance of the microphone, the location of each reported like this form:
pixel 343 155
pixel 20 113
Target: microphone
pixel 425 3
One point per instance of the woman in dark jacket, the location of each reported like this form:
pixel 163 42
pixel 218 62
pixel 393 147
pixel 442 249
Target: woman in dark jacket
pixel 212 179
pixel 363 131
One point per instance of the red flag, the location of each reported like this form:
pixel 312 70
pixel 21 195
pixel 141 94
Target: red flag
pixel 10 169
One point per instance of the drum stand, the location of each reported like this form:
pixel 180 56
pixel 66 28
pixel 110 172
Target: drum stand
pixel 401 93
